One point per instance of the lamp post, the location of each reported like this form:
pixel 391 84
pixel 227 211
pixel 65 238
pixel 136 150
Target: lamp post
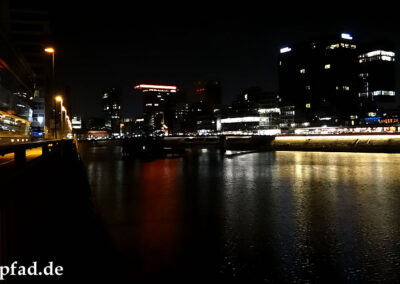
pixel 52 88
pixel 52 51
pixel 60 100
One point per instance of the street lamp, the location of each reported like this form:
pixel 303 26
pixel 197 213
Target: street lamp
pixel 52 51
pixel 52 87
pixel 60 100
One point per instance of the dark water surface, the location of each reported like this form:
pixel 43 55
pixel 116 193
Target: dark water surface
pixel 273 216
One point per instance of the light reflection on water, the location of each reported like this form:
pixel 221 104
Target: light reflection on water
pixel 280 216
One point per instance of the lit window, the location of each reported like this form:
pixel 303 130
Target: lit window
pixel 308 105
pixel 302 71
pixel 383 93
pixel 346 88
pixel 327 66
pixel 333 46
pixel 308 87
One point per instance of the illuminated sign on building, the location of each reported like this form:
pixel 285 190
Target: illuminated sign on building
pixel 159 88
pixel 346 36
pixel 285 49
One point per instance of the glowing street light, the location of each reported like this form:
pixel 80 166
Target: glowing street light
pixel 60 100
pixel 51 51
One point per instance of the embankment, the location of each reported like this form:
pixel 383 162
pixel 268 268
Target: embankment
pixel 336 143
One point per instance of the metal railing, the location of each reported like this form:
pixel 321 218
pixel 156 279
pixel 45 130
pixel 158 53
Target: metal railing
pixel 48 147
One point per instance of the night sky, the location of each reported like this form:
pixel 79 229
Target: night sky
pixel 120 44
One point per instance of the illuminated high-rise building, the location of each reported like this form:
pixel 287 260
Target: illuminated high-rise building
pixel 155 101
pixel 207 94
pixel 26 26
pixel 16 92
pixel 112 109
pixel 377 74
pixel 320 78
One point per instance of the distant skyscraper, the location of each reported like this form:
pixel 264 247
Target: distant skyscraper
pixel 176 117
pixel 320 79
pixel 155 101
pixel 208 93
pixel 112 109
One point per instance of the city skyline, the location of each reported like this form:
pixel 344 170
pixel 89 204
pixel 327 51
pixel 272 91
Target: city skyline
pixel 232 143
pixel 238 48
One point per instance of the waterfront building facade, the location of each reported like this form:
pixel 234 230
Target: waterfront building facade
pixel 155 101
pixel 254 112
pixel 320 79
pixel 378 85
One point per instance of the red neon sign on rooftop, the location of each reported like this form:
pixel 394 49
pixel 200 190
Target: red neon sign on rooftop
pixel 145 86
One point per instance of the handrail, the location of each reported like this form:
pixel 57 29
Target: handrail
pixel 11 148
pixel 19 149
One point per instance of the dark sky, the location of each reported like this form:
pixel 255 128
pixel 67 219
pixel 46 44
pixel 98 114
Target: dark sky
pixel 122 43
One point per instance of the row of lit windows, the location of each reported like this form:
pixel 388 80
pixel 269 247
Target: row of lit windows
pixel 327 66
pixel 376 58
pixel 377 93
pixel 376 55
pixel 345 88
pixel 343 45
pixel 12 124
pixel 167 91
pixel 114 107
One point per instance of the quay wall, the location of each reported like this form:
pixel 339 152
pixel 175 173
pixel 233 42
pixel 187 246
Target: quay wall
pixel 333 143
pixel 329 143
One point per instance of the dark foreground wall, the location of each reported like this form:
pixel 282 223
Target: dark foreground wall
pixel 47 215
